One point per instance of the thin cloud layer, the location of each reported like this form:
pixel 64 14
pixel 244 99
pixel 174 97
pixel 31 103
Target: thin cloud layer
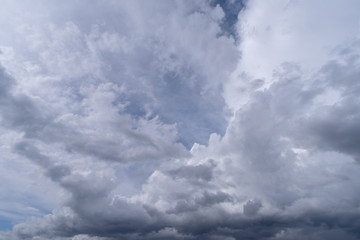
pixel 166 120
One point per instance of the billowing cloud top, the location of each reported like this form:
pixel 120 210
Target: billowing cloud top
pixel 179 120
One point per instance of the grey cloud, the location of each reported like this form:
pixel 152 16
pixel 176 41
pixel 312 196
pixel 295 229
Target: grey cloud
pixel 6 82
pixel 336 127
pixel 174 81
pixel 18 111
pixel 260 142
pixel 205 200
pixel 198 172
pixel 57 172
pixel 89 204
pixel 313 224
pixel 22 113
pixel 32 153
pixel 269 176
pixel 52 170
pixel 321 233
pixel 192 110
pixel 251 207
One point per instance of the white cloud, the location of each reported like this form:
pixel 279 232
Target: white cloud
pixel 101 101
pixel 288 31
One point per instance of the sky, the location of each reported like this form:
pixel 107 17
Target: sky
pixel 172 119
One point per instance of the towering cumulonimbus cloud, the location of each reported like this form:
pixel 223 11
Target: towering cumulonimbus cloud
pixel 177 120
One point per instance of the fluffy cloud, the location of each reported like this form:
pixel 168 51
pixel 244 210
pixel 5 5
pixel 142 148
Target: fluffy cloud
pixel 106 104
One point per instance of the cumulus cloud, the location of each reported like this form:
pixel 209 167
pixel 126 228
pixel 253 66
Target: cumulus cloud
pixel 143 121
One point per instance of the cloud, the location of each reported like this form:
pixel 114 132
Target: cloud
pixel 24 114
pixel 106 104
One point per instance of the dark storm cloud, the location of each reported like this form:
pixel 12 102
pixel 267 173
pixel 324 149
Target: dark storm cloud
pixel 313 225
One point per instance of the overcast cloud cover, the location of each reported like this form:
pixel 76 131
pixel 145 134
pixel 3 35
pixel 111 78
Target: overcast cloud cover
pixel 171 119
